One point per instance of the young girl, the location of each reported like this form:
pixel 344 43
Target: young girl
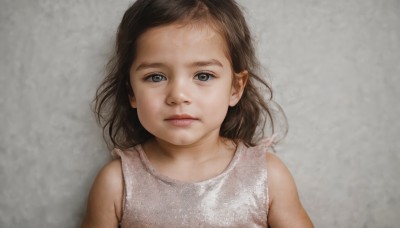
pixel 183 111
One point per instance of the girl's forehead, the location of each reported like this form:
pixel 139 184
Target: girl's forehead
pixel 193 31
pixel 188 37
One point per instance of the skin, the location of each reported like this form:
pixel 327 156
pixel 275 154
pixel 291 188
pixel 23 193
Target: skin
pixel 183 84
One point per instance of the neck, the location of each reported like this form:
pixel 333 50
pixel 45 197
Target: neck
pixel 199 151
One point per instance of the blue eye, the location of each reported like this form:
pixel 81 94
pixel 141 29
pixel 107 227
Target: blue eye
pixel 156 78
pixel 204 77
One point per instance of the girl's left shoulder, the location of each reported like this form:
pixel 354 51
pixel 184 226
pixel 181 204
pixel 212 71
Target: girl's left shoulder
pixel 285 208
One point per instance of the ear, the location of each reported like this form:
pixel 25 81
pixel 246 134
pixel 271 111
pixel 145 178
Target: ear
pixel 238 85
pixel 132 101
pixel 131 94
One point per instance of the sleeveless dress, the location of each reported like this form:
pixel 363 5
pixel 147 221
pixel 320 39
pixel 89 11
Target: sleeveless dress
pixel 238 197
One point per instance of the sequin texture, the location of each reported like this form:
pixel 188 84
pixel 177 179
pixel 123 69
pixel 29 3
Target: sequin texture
pixel 238 197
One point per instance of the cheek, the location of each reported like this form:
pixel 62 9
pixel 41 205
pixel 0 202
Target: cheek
pixel 147 117
pixel 217 102
pixel 146 107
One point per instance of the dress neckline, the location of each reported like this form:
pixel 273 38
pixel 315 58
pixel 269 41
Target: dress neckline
pixel 153 171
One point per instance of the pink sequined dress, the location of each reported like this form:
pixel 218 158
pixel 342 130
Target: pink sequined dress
pixel 238 197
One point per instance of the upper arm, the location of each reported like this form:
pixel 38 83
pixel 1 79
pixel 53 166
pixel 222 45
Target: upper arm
pixel 285 207
pixel 105 198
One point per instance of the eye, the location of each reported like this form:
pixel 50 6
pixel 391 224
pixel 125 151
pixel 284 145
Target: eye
pixel 203 76
pixel 156 78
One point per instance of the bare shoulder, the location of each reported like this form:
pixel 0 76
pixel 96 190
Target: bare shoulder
pixel 105 197
pixel 285 209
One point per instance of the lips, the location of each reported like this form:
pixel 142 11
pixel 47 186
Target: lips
pixel 182 120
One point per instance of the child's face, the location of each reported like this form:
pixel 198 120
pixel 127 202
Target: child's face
pixel 182 83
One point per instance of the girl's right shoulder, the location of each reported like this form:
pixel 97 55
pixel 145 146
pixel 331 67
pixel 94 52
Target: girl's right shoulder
pixel 105 198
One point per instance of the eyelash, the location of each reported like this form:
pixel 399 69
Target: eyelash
pixel 209 76
pixel 163 78
pixel 152 76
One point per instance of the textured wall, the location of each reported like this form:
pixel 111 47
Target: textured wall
pixel 334 66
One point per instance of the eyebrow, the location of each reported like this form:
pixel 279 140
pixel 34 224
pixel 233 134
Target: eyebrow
pixel 143 66
pixel 212 62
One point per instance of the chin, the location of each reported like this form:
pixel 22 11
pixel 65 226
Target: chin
pixel 179 141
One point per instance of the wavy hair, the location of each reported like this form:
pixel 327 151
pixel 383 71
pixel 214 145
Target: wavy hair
pixel 244 122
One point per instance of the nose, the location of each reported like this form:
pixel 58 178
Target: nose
pixel 178 93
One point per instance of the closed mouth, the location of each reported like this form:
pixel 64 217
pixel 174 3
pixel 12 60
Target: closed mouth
pixel 181 120
pixel 181 117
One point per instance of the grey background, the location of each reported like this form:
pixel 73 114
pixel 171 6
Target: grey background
pixel 334 66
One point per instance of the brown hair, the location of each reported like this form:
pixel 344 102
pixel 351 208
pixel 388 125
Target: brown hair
pixel 112 105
